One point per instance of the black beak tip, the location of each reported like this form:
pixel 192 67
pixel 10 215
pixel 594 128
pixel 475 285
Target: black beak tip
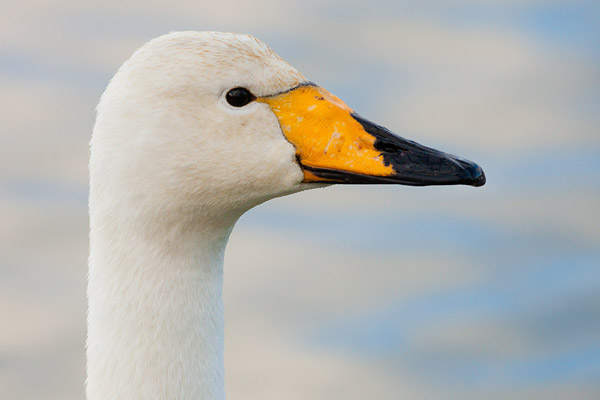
pixel 474 175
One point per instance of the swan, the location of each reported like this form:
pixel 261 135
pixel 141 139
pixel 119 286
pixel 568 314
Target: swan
pixel 193 130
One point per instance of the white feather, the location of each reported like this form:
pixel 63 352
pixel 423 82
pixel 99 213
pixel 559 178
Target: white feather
pixel 172 168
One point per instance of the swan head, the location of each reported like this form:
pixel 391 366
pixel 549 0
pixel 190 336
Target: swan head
pixel 216 123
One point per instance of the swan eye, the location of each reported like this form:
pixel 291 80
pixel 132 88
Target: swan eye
pixel 239 97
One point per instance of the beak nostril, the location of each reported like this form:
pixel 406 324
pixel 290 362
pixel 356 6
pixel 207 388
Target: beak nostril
pixel 389 147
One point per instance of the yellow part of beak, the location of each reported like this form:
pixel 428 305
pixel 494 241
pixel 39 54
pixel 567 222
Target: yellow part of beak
pixel 325 134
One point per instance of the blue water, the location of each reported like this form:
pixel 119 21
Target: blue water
pixel 537 284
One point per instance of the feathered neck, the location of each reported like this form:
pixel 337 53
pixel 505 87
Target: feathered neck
pixel 155 320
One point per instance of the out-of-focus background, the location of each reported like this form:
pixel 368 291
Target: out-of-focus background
pixel 380 292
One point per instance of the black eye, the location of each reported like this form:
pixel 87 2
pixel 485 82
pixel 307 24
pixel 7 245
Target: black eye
pixel 239 97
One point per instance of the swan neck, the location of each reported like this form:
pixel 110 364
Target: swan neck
pixel 155 319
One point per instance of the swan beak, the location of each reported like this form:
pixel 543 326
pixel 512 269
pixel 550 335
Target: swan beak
pixel 336 145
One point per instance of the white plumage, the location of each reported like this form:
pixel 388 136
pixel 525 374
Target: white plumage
pixel 173 166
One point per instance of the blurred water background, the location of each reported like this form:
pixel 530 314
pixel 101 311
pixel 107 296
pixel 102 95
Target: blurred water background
pixel 352 292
